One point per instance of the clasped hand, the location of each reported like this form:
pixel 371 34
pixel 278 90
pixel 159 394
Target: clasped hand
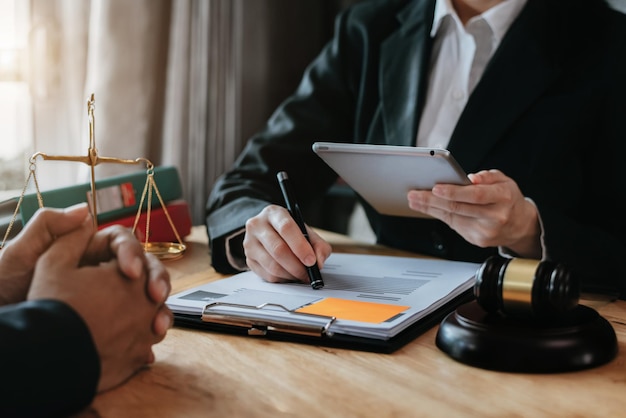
pixel 104 276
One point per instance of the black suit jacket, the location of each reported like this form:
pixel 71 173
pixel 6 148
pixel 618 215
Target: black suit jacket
pixel 549 111
pixel 48 361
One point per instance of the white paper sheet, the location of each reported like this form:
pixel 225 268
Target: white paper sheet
pixel 423 285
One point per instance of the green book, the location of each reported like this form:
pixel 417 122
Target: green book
pixel 115 196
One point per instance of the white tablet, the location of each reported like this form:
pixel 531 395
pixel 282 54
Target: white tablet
pixel 383 174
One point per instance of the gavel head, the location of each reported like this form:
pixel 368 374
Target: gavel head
pixel 525 288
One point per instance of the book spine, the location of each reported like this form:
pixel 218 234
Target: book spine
pixel 160 228
pixel 117 196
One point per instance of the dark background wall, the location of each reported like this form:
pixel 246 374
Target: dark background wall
pixel 280 38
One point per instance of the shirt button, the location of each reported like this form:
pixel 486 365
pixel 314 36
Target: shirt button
pixel 458 94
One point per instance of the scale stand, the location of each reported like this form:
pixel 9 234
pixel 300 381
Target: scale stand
pixel 163 250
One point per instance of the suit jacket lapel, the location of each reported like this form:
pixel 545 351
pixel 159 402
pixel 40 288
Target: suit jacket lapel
pixel 407 51
pixel 518 73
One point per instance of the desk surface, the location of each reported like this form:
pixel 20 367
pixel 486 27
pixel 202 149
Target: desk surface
pixel 203 374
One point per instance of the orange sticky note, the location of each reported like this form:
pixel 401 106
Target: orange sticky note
pixel 353 310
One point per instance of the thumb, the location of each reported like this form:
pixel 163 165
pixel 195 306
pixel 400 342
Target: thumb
pixel 322 248
pixel 487 177
pixel 68 249
pixel 49 223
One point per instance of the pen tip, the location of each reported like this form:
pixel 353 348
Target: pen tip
pixel 317 284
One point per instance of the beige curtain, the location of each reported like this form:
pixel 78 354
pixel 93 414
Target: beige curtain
pixel 127 55
pixel 181 82
pixel 201 130
pixel 58 56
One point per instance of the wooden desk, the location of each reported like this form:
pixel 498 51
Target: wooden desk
pixel 202 374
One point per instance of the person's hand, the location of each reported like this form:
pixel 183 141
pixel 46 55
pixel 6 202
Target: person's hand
pixel 490 212
pixel 18 257
pixel 276 249
pixel 118 242
pixel 124 322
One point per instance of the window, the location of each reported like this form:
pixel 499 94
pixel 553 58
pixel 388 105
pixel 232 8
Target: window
pixel 16 133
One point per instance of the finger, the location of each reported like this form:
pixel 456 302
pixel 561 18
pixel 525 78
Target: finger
pixel 467 194
pixel 265 243
pixel 439 208
pixel 276 219
pixel 291 234
pixel 479 192
pixel 163 321
pixel 159 286
pixel 479 210
pixel 260 270
pixel 151 358
pixel 118 242
pixel 257 269
pixel 283 259
pixel 67 250
pixel 487 177
pixel 278 264
pixel 322 249
pixel 420 201
pixel 474 231
pixel 486 193
pixel 48 223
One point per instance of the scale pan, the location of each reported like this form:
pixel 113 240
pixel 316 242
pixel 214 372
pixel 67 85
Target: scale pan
pixel 165 250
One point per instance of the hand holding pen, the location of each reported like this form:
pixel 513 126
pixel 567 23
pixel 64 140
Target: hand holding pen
pixel 313 271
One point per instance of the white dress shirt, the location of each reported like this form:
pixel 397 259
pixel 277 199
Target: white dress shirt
pixel 459 57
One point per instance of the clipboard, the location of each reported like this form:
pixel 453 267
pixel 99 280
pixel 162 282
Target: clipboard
pixel 369 302
pixel 251 326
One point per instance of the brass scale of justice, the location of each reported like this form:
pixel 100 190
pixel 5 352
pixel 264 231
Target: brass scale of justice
pixel 163 250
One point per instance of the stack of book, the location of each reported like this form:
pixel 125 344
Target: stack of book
pixel 118 199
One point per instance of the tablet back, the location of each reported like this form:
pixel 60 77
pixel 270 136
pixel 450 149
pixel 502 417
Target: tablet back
pixel 383 174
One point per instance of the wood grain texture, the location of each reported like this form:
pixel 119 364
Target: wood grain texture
pixel 204 374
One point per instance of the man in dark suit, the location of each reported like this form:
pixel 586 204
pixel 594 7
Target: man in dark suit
pixel 529 97
pixel 79 313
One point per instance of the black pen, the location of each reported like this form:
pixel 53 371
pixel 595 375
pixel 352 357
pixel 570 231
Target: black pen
pixel 294 209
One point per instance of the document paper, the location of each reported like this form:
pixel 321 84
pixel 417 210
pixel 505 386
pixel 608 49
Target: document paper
pixel 370 296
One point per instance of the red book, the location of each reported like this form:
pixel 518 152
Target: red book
pixel 160 228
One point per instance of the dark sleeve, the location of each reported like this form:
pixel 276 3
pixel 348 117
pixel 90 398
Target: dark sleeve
pixel 336 101
pixel 321 109
pixel 49 363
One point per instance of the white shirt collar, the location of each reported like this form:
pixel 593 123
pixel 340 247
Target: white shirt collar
pixel 499 18
pixel 443 9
